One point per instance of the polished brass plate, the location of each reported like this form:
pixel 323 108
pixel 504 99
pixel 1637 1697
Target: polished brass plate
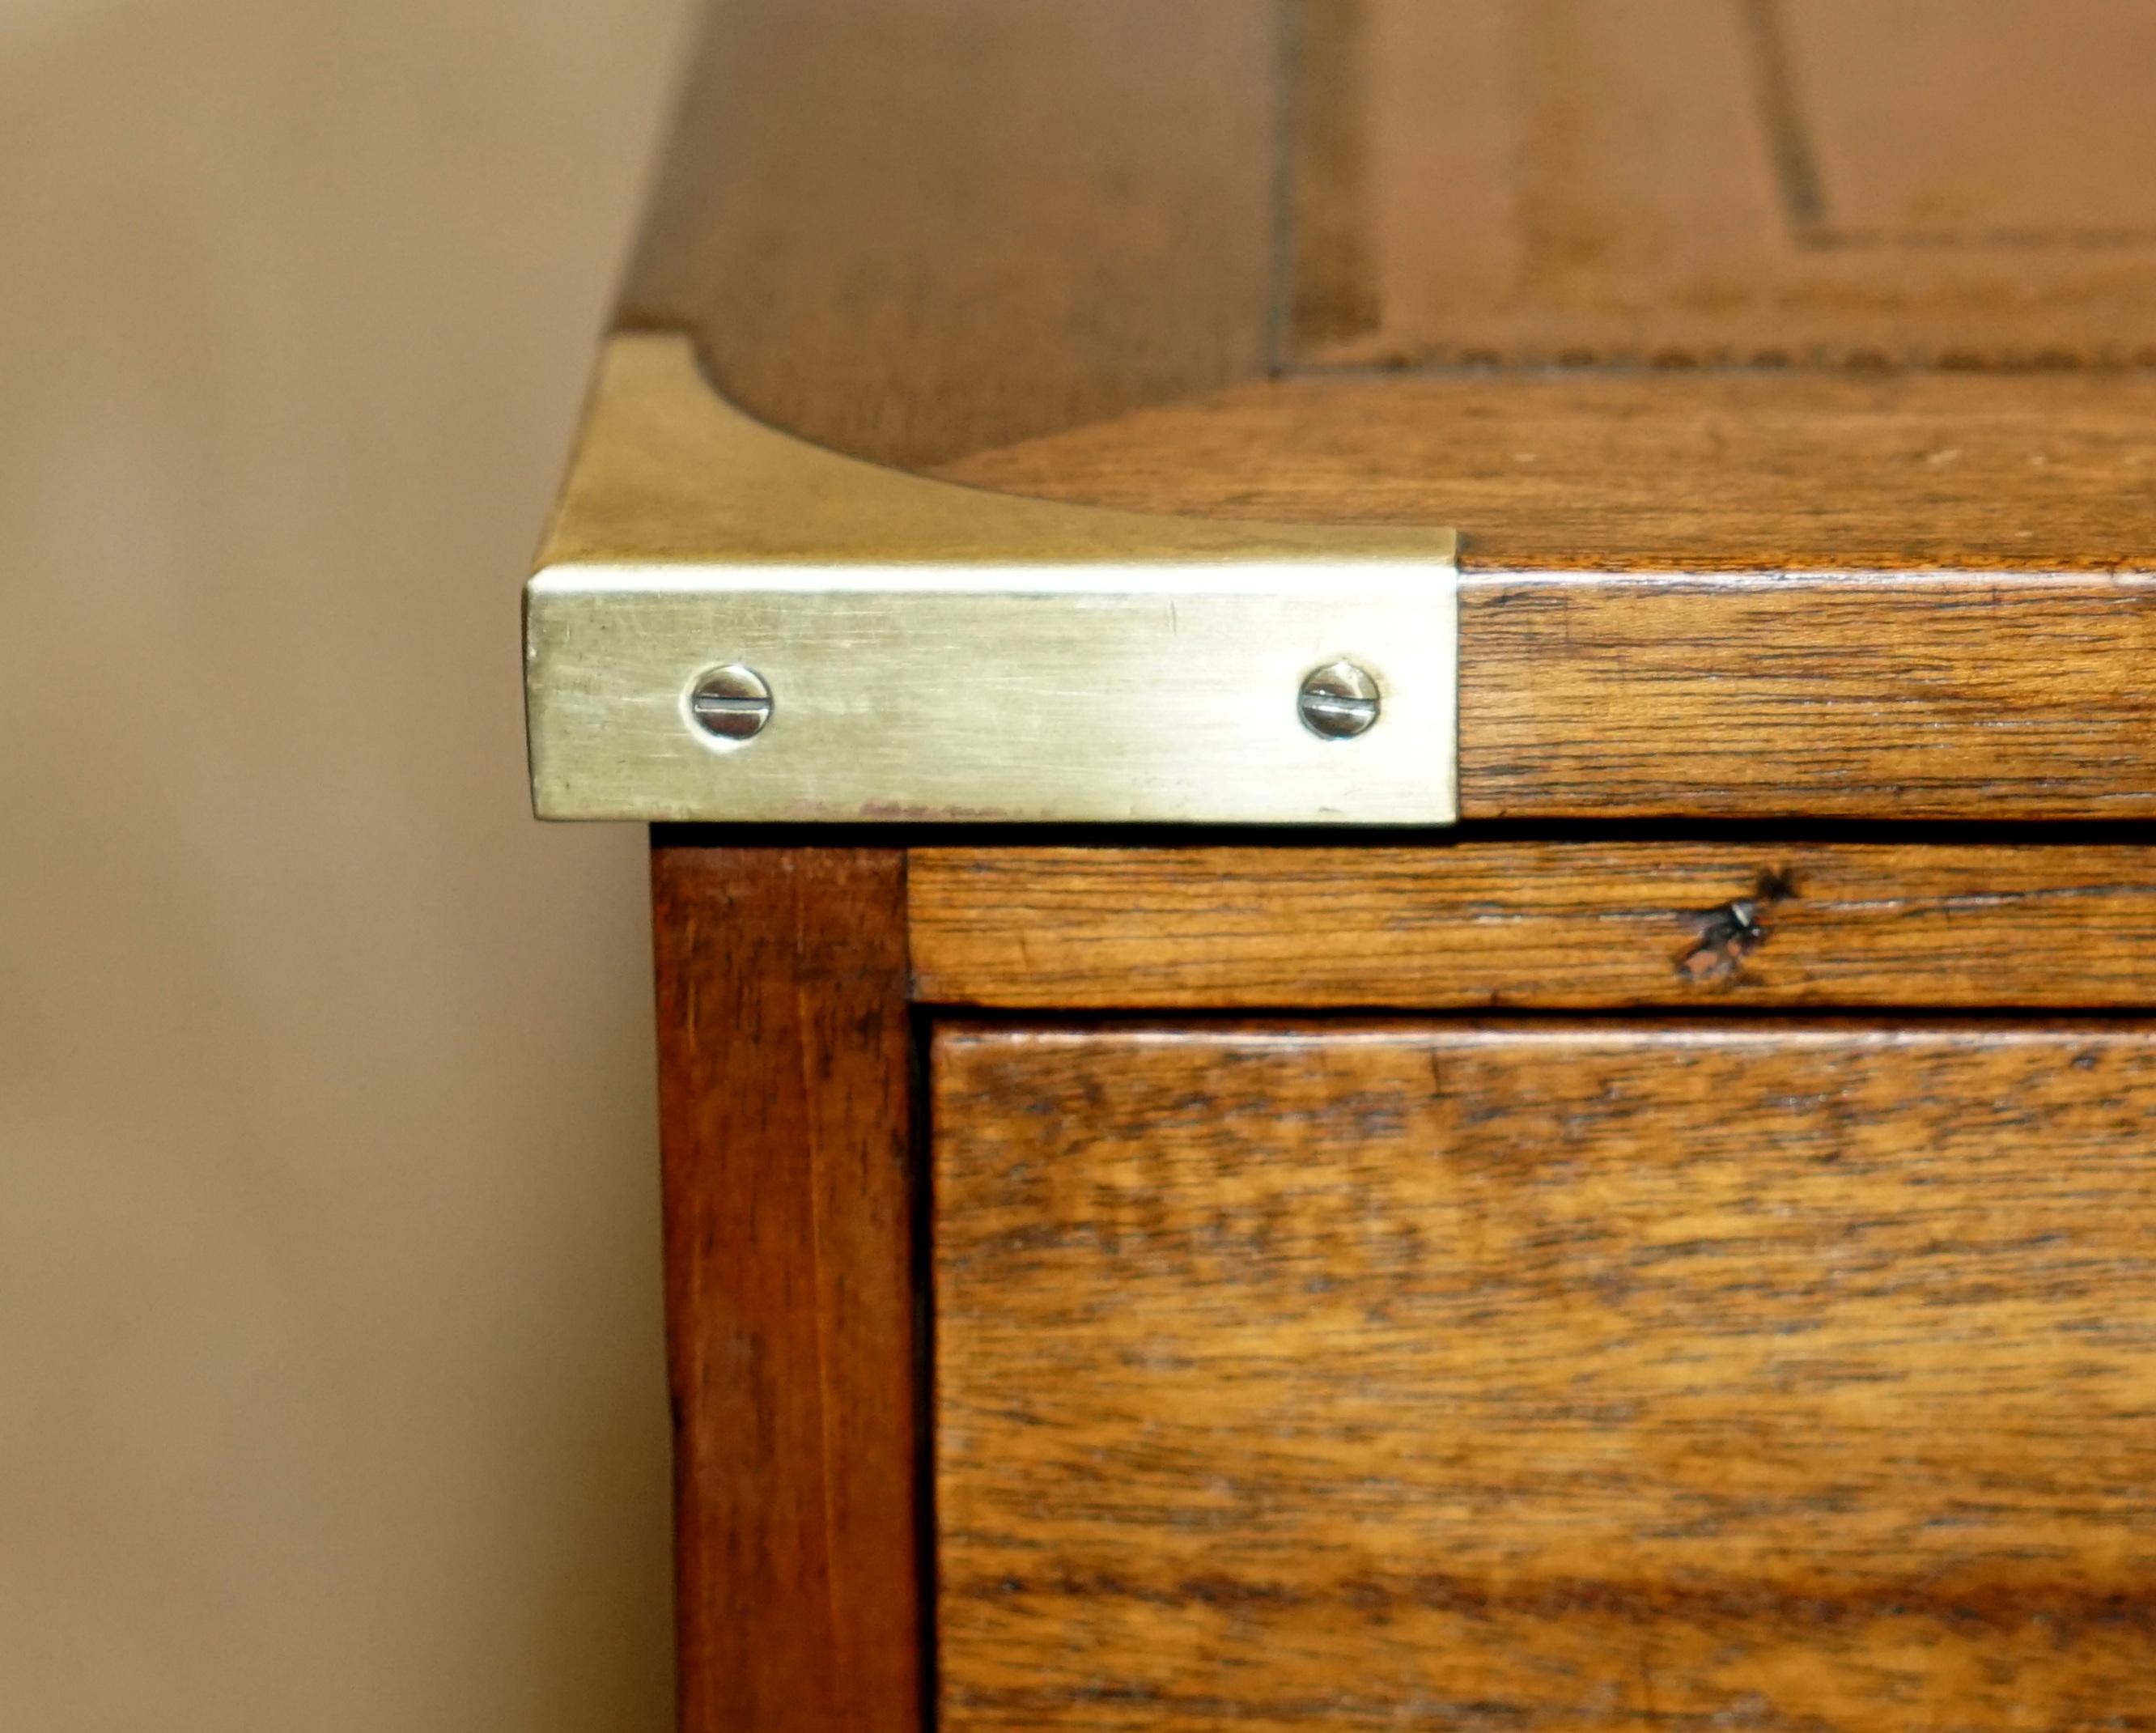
pixel 934 652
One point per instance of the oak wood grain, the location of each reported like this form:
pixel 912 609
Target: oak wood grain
pixel 909 228
pixel 1580 1376
pixel 1583 925
pixel 784 1050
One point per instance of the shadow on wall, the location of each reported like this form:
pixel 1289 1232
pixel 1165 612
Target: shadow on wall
pixel 331 1390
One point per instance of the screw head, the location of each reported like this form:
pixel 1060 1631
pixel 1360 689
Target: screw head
pixel 731 703
pixel 1338 702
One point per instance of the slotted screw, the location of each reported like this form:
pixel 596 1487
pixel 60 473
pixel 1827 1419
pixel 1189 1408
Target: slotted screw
pixel 731 703
pixel 1338 702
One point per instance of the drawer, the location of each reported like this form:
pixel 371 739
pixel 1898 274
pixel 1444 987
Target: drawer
pixel 1545 1373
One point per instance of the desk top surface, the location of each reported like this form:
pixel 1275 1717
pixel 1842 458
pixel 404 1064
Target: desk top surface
pixel 1691 284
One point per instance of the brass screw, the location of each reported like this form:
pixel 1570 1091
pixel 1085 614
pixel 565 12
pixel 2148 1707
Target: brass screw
pixel 1338 702
pixel 731 703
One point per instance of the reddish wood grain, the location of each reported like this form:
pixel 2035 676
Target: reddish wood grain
pixel 784 1050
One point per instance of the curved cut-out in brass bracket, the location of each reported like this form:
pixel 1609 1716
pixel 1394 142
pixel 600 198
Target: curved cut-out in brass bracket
pixel 933 652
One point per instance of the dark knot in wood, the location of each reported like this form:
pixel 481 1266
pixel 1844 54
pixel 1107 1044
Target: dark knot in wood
pixel 1723 937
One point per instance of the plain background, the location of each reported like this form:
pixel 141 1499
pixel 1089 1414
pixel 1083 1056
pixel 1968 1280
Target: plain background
pixel 331 1391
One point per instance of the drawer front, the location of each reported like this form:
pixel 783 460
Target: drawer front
pixel 1546 1375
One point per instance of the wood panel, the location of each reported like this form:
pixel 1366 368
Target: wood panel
pixel 909 228
pixel 1825 182
pixel 1489 924
pixel 784 1052
pixel 1550 1376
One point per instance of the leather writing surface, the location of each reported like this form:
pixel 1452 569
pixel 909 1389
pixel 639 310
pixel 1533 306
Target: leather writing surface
pixel 1869 183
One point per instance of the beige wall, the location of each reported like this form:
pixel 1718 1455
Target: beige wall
pixel 329 1381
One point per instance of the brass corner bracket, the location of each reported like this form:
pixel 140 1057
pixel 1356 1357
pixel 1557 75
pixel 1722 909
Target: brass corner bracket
pixel 730 624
